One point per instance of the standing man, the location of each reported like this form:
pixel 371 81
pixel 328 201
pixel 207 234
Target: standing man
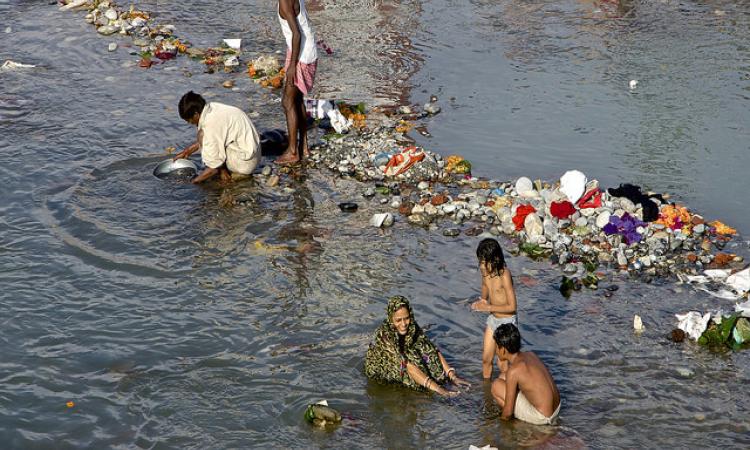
pixel 228 140
pixel 301 64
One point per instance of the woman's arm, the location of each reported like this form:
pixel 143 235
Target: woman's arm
pixel 451 373
pixel 420 378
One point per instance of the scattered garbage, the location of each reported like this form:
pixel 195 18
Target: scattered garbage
pixel 321 415
pixel 718 330
pixel 266 71
pixel 638 324
pixel 633 84
pixel 323 46
pixel 401 162
pixel 235 44
pixel 382 220
pixel 327 109
pixel 112 46
pixel 349 207
pixel 12 65
pixel 457 164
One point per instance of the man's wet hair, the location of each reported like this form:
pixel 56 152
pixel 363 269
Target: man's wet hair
pixel 490 252
pixel 190 104
pixel 508 337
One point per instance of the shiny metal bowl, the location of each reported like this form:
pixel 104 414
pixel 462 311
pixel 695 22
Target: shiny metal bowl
pixel 181 168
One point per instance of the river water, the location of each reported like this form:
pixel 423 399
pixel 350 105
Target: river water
pixel 173 318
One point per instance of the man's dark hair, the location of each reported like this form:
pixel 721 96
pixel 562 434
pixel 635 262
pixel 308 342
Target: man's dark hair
pixel 508 337
pixel 190 104
pixel 490 252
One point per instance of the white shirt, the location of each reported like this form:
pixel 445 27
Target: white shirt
pixel 229 137
pixel 308 53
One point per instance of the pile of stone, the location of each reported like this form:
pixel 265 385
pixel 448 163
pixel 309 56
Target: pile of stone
pixel 152 39
pixel 589 238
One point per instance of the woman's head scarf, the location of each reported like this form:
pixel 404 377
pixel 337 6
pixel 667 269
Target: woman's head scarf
pixel 389 353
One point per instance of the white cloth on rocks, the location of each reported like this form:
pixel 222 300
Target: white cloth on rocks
pixel 693 323
pixel 573 185
pixel 743 308
pixel 740 281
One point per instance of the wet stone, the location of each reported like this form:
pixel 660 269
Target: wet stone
pixel 451 232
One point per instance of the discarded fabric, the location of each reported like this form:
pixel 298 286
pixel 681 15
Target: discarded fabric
pixel 521 212
pixel 591 199
pixel 12 65
pixel 634 194
pixel 693 323
pixel 627 226
pixel 401 162
pixel 573 184
pixel 562 210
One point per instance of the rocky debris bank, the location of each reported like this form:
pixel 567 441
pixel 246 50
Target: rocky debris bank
pixel 572 221
pixel 153 40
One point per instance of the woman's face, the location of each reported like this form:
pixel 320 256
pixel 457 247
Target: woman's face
pixel 401 320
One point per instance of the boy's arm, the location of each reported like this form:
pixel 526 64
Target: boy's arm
pixel 511 391
pixel 286 10
pixel 194 147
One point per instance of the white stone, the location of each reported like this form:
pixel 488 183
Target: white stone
pixel 417 209
pixel 430 209
pixel 449 208
pixel 603 219
pixel 627 205
pixel 111 14
pixel 533 225
pixel 423 185
pixel 524 187
pixel 379 220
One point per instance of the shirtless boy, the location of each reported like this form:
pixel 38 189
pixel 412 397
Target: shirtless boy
pixel 526 390
pixel 498 298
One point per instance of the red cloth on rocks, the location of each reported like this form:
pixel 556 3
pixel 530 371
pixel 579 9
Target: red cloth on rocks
pixel 591 199
pixel 521 212
pixel 562 210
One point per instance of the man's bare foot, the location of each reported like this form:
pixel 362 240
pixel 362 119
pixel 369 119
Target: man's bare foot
pixel 288 157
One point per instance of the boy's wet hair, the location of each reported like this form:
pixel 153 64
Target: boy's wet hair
pixel 508 337
pixel 190 104
pixel 491 254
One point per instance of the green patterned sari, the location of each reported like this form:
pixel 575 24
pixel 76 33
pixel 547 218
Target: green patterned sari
pixel 389 353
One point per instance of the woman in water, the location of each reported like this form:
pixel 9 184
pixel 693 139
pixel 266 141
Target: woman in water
pixel 402 353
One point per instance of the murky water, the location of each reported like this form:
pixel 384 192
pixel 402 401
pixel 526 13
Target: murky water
pixel 174 317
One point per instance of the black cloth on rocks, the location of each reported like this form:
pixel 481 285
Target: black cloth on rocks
pixel 634 194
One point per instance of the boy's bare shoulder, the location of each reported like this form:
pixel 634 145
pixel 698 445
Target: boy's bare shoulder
pixel 518 368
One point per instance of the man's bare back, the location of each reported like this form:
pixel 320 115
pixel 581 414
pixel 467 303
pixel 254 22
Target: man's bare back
pixel 530 375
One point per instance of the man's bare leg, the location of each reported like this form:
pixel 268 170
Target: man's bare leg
pixel 498 391
pixel 302 123
pixel 488 353
pixel 289 101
